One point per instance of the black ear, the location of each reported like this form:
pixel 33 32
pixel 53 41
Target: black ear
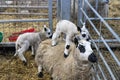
pixel 79 29
pixel 45 29
pixel 76 41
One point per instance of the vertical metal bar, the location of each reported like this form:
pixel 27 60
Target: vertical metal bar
pixel 65 9
pixel 96 6
pixel 74 10
pixel 50 14
pixel 58 9
pixel 80 15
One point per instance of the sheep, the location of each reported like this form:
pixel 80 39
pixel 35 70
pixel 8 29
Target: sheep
pixel 77 66
pixel 69 29
pixel 26 40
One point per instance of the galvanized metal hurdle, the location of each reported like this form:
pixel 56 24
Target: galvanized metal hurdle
pixel 108 71
pixel 23 12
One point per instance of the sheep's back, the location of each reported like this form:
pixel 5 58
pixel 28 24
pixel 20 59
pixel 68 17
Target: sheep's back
pixel 31 37
pixel 53 61
pixel 66 27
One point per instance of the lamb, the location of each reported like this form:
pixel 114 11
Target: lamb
pixel 77 66
pixel 69 29
pixel 24 41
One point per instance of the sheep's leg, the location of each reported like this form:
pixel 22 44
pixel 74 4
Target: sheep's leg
pixel 40 73
pixel 21 56
pixel 34 48
pixel 33 51
pixel 54 37
pixel 23 48
pixel 67 46
pixel 17 47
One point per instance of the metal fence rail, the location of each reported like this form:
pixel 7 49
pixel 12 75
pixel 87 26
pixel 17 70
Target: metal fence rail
pixel 42 15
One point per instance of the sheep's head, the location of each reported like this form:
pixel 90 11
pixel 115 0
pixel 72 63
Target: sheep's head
pixel 47 31
pixel 85 51
pixel 84 33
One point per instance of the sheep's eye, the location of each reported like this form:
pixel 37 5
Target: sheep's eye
pixel 48 33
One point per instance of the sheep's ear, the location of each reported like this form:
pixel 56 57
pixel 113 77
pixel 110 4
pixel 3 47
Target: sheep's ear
pixel 78 28
pixel 76 41
pixel 84 25
pixel 45 28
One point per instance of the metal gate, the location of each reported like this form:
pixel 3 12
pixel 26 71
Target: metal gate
pixel 105 40
pixel 21 15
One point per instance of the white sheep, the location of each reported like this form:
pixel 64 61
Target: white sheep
pixel 26 40
pixel 75 67
pixel 69 29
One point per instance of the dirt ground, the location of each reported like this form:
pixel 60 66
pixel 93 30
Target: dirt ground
pixel 13 69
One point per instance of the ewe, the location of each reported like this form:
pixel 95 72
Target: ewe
pixel 69 29
pixel 26 40
pixel 77 66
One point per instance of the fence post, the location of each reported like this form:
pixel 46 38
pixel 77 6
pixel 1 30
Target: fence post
pixel 80 14
pixel 50 14
pixel 58 9
pixel 63 7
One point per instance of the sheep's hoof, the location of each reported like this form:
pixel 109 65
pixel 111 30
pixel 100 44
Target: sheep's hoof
pixel 65 55
pixel 40 75
pixel 54 44
pixel 25 63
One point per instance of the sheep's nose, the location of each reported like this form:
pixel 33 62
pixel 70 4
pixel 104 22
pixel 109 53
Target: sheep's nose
pixel 83 35
pixel 92 58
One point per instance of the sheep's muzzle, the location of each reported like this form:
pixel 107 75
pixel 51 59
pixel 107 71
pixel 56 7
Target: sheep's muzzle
pixel 92 58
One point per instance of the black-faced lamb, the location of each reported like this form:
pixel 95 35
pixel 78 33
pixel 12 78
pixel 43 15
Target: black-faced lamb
pixel 69 29
pixel 26 40
pixel 75 67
